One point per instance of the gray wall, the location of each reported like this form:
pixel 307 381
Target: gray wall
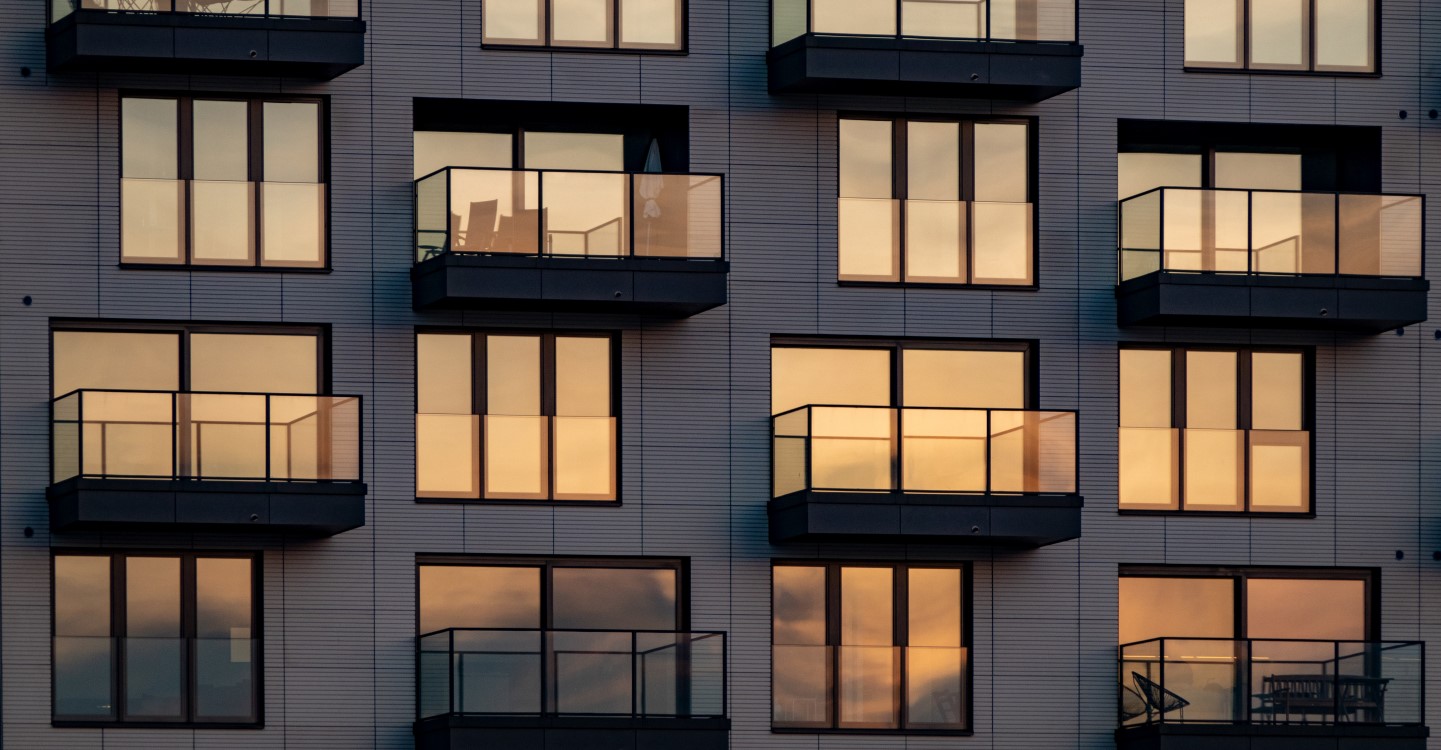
pixel 339 613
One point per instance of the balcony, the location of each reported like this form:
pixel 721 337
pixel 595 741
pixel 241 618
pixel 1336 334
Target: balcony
pixel 156 680
pixel 317 39
pixel 1023 50
pixel 524 689
pixel 222 461
pixel 618 242
pixel 885 475
pixel 1275 259
pixel 1271 695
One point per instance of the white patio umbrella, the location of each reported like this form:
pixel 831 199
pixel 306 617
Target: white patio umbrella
pixel 650 187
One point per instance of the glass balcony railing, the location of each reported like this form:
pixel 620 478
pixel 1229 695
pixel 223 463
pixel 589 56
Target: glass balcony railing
pixel 871 687
pixel 1272 682
pixel 936 450
pixel 208 679
pixel 993 20
pixel 1271 232
pixel 575 214
pixel 617 673
pixel 262 8
pixel 217 436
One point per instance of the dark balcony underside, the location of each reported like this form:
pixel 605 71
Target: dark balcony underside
pixel 1024 71
pixel 569 733
pixel 1349 303
pixel 1270 737
pixel 655 286
pixel 892 518
pixel 319 508
pixel 320 48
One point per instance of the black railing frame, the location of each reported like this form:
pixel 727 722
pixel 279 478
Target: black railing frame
pixel 75 7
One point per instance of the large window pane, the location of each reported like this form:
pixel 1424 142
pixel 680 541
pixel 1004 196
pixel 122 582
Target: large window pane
pixel 866 600
pixel 513 21
pixel 868 658
pixel 1213 33
pixel 153 648
pixel 1279 30
pixel 293 224
pixel 516 457
pixel 614 598
pixel 512 375
pixel 292 142
pixel 1276 390
pixel 935 596
pixel 222 222
pixel 851 377
pixel 223 597
pixel 869 17
pixel 933 161
pixel 224 659
pixel 650 24
pixel 1002 243
pixel 222 140
pixel 868 232
pixel 1138 172
pixel 1176 608
pixel 150 137
pixel 1145 388
pixel 961 378
pixel 151 228
pixel 952 19
pixel 439 149
pixel 1002 171
pixel 479 596
pixel 119 361
pixel 801 674
pixel 865 159
pixel 1305 609
pixel 1211 390
pixel 447 447
pixel 585 214
pixel 586 151
pixel 798 602
pixel 83 649
pixel 443 373
pixel 1345 35
pixel 581 23
pixel 1213 469
pixel 1258 171
pixel 82 595
pixel 254 363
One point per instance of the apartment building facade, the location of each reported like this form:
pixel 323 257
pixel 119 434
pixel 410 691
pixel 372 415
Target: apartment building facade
pixel 651 374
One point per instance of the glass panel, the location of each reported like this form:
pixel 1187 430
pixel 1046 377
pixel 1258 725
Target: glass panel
pixel 866 602
pixel 495 211
pixel 954 19
pixel 933 161
pixel 801 376
pixel 1279 31
pixel 82 595
pixel 1033 451
pixel 221 140
pixel 1209 675
pixel 1280 471
pixel 788 20
pixel 443 383
pixel 1211 389
pixel 1306 609
pixel 586 213
pixel 1276 390
pixel 1381 235
pixel 1141 222
pixel 149 138
pixel 513 22
pixel 293 224
pixel 935 597
pixel 61 8
pixel 84 676
pixel 868 233
pixel 222 222
pixel 584 458
pixel 1138 172
pixel 1256 171
pixel 1293 233
pixel 151 230
pixel 1213 469
pixel 852 449
pixel 128 434
pixel 1002 172
pixel 1176 607
pixel 679 216
pixel 224 671
pixel 865 158
pixel 798 604
pixel 226 436
pixel 961 378
pixel 497 672
pixel 801 686
pixel 223 605
pixel 935 242
pixel 1033 20
pixel 1149 462
pixel 516 457
pixel 868 17
pixel 512 375
pixel 650 24
pixel 1213 33
pixel 440 149
pixel 1400 668
pixel 1145 388
pixel 154 678
pixel 119 361
pixel 479 596
pixel 582 376
pixel 935 687
pixel 618 598
pixel 680 674
pixel 433 233
pixel 292 142
pixel 254 363
pixel 316 8
pixel 603 152
pixel 592 672
pixel 945 450
pixel 152 596
pixel 1345 35
pixel 869 687
pixel 446 450
pixel 789 458
pixel 581 23
pixel 1002 243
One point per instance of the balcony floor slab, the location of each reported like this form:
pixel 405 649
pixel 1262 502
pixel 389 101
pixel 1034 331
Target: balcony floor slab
pixel 316 508
pixel 895 518
pixel 1342 303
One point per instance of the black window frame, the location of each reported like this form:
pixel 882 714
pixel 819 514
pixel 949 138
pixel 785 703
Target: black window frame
pixel 1243 422
pixel 547 44
pixel 899 187
pixel 1243 22
pixel 1241 574
pixel 547 407
pixel 255 135
pixel 118 556
pixel 547 566
pixel 900 633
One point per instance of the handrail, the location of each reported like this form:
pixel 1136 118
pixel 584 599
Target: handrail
pixel 1268 190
